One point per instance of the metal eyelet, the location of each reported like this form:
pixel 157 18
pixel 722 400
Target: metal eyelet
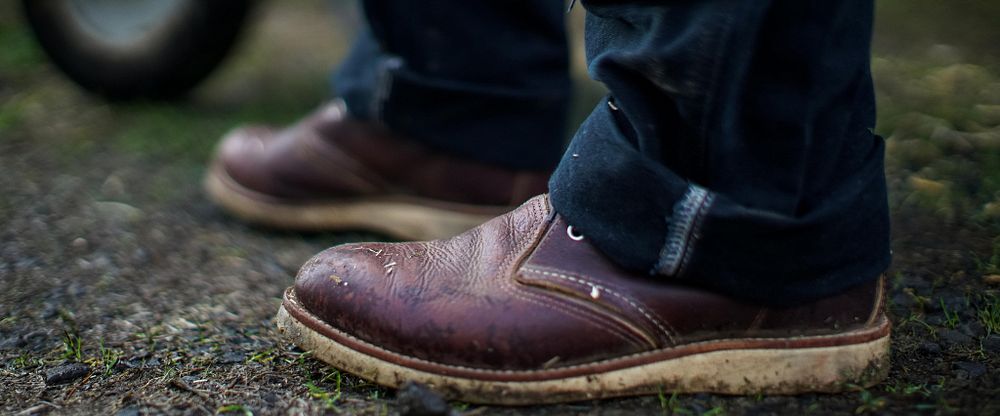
pixel 573 235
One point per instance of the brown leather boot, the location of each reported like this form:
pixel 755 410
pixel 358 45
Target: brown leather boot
pixel 524 310
pixel 331 172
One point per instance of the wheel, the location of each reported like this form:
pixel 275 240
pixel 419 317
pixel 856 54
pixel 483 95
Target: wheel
pixel 129 49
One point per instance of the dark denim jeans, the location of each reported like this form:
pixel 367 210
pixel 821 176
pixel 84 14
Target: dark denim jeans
pixel 483 79
pixel 735 149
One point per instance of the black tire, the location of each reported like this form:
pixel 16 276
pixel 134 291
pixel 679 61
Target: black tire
pixel 167 60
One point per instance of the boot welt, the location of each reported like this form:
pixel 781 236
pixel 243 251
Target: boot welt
pixel 400 216
pixel 745 366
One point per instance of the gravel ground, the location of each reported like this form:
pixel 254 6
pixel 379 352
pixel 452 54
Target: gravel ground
pixel 124 291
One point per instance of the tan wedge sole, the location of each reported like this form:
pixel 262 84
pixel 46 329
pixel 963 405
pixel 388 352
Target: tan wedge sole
pixel 739 366
pixel 403 217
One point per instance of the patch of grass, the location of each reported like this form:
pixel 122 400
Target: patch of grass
pixel 715 411
pixel 671 405
pixel 10 112
pixel 234 408
pixel 908 389
pixel 460 407
pixel 989 314
pixel 109 358
pixel 188 133
pixel 21 53
pixel 149 336
pixel 941 122
pixel 328 398
pixel 870 403
pixel 264 357
pixel 72 346
pixel 25 360
pixel 169 373
pixel 951 319
pixel 991 264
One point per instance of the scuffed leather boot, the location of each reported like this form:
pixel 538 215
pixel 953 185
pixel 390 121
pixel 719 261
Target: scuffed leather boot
pixel 331 172
pixel 522 309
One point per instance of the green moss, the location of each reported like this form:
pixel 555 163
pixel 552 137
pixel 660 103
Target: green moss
pixel 21 53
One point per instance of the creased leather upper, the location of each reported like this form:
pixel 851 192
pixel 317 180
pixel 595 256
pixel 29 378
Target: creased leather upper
pixel 329 155
pixel 517 293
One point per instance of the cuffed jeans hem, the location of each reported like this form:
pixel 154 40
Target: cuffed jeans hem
pixel 513 127
pixel 646 218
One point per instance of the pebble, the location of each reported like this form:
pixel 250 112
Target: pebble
pixel 233 357
pixel 128 411
pixel 113 187
pixel 12 342
pixel 80 244
pixel 971 369
pixel 49 310
pixel 952 336
pixel 991 343
pixel 117 212
pixel 66 373
pixel 973 329
pixel 902 299
pixel 140 256
pixel 417 400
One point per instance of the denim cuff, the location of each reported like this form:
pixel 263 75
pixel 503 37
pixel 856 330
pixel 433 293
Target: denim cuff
pixel 683 230
pixel 513 127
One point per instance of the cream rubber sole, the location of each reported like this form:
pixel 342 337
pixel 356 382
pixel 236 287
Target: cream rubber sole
pixel 726 371
pixel 406 218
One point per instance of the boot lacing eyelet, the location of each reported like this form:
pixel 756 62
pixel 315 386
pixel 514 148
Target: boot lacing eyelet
pixel 573 235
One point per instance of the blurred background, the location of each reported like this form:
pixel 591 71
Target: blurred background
pixel 935 65
pixel 105 235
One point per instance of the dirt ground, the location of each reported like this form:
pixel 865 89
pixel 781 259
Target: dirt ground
pixel 123 291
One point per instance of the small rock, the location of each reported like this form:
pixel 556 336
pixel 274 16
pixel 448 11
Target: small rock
pixel 102 262
pixel 128 411
pixel 971 369
pixel 952 336
pixel 76 290
pixel 49 310
pixel 902 300
pixel 973 329
pixel 80 244
pixel 992 279
pixel 991 343
pixel 66 373
pixel 35 340
pixel 140 256
pixel 417 400
pixel 117 212
pixel 930 347
pixel 13 342
pixel 113 187
pixel 233 357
